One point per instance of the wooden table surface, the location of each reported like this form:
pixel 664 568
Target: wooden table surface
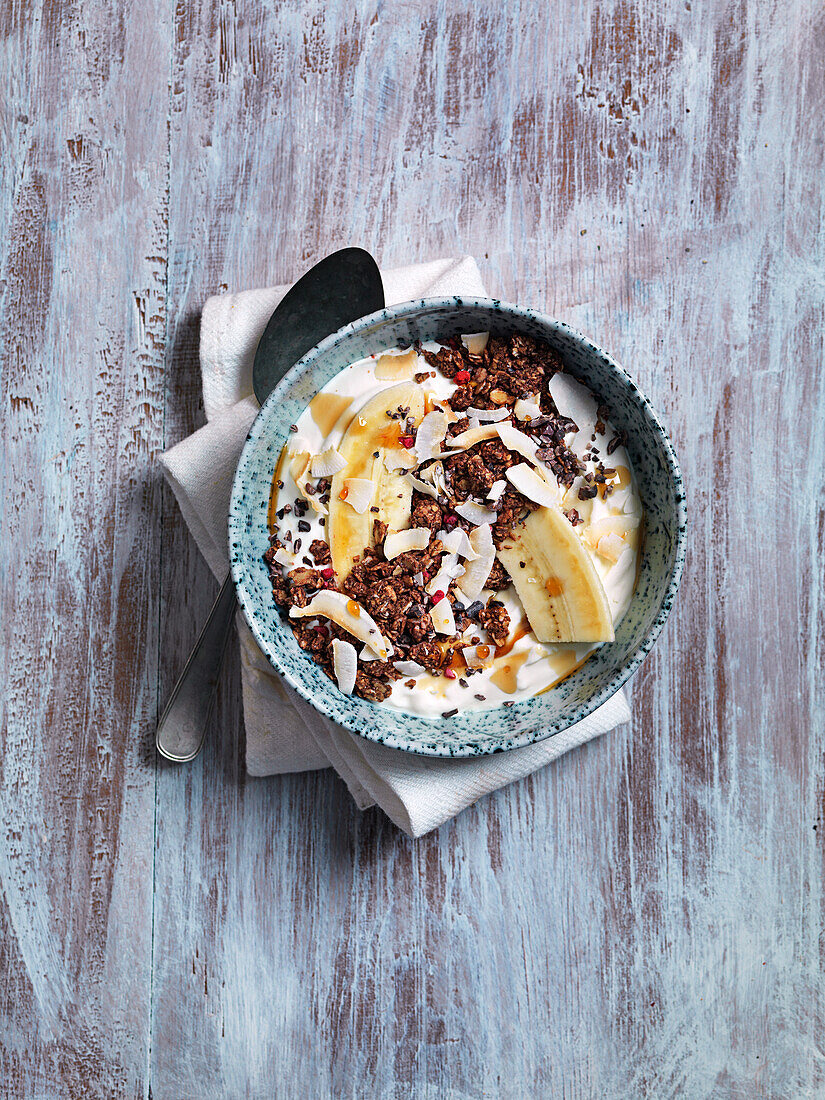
pixel 645 917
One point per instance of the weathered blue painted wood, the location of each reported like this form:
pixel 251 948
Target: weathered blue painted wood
pixel 644 919
pixel 83 197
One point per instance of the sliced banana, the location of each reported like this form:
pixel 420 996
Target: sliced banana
pixel 369 437
pixel 349 615
pixel 556 581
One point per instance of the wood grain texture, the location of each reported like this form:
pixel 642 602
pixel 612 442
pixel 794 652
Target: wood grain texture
pixel 644 918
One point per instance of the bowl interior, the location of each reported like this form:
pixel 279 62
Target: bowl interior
pixel 475 732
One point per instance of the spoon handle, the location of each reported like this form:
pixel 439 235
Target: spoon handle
pixel 183 724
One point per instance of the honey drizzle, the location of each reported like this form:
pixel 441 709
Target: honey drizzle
pixel 506 677
pixel 326 408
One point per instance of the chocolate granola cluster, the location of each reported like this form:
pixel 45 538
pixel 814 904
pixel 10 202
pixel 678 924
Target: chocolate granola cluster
pixel 394 592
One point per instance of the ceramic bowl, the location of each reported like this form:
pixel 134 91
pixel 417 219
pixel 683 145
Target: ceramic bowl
pixel 474 732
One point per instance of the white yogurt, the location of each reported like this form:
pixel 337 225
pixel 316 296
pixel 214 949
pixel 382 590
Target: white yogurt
pixel 530 667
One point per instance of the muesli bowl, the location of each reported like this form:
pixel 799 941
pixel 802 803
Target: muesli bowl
pixel 468 732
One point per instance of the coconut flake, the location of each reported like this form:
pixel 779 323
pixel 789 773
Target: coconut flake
pixel 408 668
pixel 441 581
pixel 327 463
pixel 442 617
pixel 399 458
pixel 478 571
pixel 475 513
pixel 489 414
pixel 422 486
pixel 457 542
pixel 357 492
pixel 283 557
pixel 496 489
pixel 465 440
pixel 367 654
pixel 575 401
pixel 349 615
pixel 473 656
pixel 527 408
pixel 344 665
pixel 401 542
pixel 431 433
pixel 533 486
pixel 299 471
pixel 515 440
pixel 475 342
pixel 611 546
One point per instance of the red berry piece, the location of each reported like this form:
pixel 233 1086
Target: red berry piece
pixel 438 595
pixel 462 376
pixel 450 673
pixel 407 441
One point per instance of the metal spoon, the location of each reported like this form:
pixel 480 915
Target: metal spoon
pixel 341 288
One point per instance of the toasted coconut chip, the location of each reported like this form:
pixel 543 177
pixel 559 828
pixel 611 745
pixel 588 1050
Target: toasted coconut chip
pixel 515 440
pixel 408 668
pixel 478 571
pixel 465 440
pixel 510 436
pixel 299 471
pixel 441 581
pixel 457 542
pixel 431 433
pixel 473 422
pixel 401 542
pixel 418 579
pixel 349 615
pixel 442 617
pixel 479 656
pixel 475 342
pixel 576 402
pixel 327 463
pixel 475 513
pixel 611 546
pixel 357 492
pixel 488 414
pixel 367 654
pixel 619 525
pixel 422 486
pixel 530 484
pixel 496 489
pixel 344 665
pixel 399 458
pixel 527 408
pixel 283 557
pixel 391 367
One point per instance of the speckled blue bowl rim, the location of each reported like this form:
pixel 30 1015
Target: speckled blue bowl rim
pixel 428 727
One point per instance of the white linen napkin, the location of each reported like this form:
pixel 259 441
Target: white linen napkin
pixel 283 732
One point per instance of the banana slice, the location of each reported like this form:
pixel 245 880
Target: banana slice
pixel 556 581
pixel 370 435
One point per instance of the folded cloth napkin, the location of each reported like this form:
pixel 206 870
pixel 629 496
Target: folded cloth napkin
pixel 283 732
